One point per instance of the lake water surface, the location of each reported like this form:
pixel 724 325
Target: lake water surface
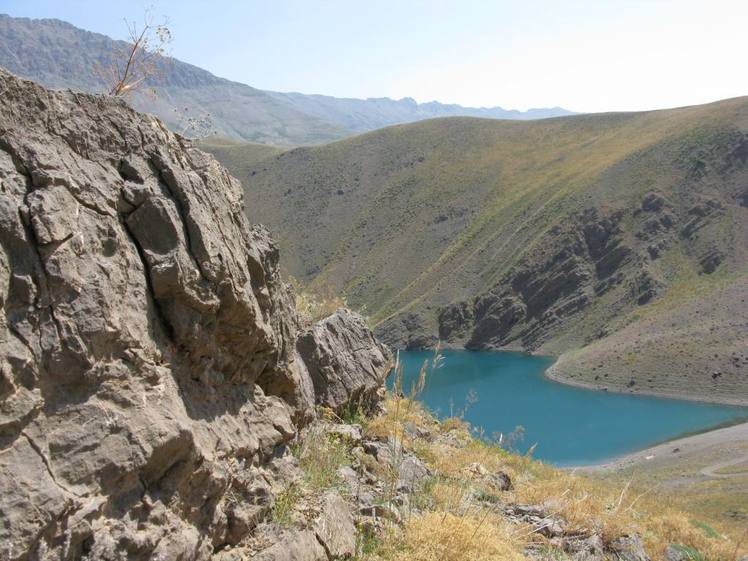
pixel 571 426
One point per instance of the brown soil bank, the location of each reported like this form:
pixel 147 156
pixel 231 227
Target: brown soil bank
pixel 692 349
pixel 706 473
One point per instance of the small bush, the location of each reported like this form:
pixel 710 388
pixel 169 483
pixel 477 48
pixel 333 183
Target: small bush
pixel 666 527
pixel 354 414
pixel 314 305
pixel 688 553
pixel 709 532
pixel 367 544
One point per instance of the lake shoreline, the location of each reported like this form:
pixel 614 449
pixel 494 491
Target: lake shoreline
pixel 673 452
pixel 713 437
pixel 717 436
pixel 561 379
pixel 681 396
pixel 517 383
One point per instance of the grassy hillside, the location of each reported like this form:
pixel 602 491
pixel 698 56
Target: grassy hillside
pixel 580 236
pixel 241 154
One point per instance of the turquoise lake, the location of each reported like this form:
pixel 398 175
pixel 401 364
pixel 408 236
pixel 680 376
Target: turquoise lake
pixel 571 426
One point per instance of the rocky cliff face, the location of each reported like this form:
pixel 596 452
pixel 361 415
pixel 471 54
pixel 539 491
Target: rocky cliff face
pixel 578 263
pixel 149 375
pixel 648 295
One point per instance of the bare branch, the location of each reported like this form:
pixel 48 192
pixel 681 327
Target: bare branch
pixel 132 66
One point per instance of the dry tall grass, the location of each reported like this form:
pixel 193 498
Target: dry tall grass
pixel 438 536
pixel 458 517
pixel 320 457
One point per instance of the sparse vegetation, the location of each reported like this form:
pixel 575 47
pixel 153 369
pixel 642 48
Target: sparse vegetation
pixel 285 503
pixel 319 457
pixel 367 544
pixel 132 66
pixel 444 536
pixel 314 305
pixel 458 512
pixel 462 519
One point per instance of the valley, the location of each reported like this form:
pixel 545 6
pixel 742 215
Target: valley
pixel 256 324
pixel 615 242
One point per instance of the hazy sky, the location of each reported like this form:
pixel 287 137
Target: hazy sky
pixel 585 56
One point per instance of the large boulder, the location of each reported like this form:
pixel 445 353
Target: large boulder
pixel 346 362
pixel 149 376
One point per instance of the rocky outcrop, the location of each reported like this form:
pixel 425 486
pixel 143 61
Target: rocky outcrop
pixel 346 363
pixel 149 375
pixel 329 535
pixel 579 263
pixel 605 261
pixel 408 331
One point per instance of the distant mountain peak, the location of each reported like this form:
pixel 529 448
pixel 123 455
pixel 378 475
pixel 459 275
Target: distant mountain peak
pixel 57 54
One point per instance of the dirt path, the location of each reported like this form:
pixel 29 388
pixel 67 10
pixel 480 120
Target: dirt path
pixel 712 469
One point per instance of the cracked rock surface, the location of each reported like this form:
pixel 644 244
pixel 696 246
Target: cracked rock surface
pixel 344 359
pixel 149 374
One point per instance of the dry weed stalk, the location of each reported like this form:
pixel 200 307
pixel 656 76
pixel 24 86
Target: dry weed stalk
pixel 131 66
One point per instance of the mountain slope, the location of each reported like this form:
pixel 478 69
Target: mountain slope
pixel 59 55
pixel 582 237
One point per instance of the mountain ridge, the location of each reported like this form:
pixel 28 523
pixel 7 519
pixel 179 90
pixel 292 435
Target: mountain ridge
pixel 60 55
pixel 371 113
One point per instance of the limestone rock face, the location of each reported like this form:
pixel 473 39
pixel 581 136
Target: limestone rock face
pixel 296 546
pixel 341 353
pixel 149 375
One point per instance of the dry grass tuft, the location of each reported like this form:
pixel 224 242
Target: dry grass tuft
pixel 584 504
pixel 614 511
pixel 671 527
pixel 451 461
pixel 316 305
pixel 436 536
pixel 403 409
pixel 398 413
